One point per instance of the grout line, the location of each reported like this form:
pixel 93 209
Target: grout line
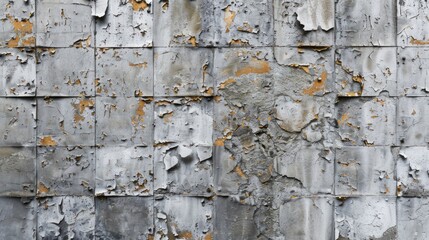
pixel 94 30
pixel 153 123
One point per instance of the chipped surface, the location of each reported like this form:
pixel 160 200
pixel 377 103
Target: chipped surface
pixel 65 171
pixel 412 168
pixel 307 23
pixel 183 218
pixel 124 121
pixel 66 122
pixel 57 78
pixel 183 72
pixel 125 24
pixel 367 121
pixel 365 71
pixel 183 23
pixel 64 23
pixel 246 23
pixel 364 171
pixel 365 218
pixel 17 171
pixel 124 72
pixel 66 217
pixel 359 23
pixel 124 171
pixel 19 122
pixel 18 72
pixel 231 119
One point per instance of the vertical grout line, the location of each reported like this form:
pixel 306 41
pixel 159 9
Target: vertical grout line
pixel 153 120
pixel 37 125
pixel 95 123
pixel 334 76
pixel 396 114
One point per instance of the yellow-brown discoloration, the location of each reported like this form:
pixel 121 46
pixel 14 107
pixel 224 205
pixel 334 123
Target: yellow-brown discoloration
pixel 228 18
pixel 414 41
pixel 255 66
pixel 22 29
pixel 208 236
pixel 304 68
pixel 343 119
pixel 84 103
pixel 239 171
pixel 238 42
pixel 139 115
pixel 139 65
pixel 226 83
pixel 80 43
pixel 318 85
pixel 185 235
pixel 47 141
pixel 42 188
pixel 193 41
pixel 80 108
pixel 167 117
pixel 139 6
pixel 220 142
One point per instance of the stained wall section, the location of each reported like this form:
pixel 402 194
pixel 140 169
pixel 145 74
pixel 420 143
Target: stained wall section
pixel 180 119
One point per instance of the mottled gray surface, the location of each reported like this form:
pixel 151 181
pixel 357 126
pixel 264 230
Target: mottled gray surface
pixel 201 119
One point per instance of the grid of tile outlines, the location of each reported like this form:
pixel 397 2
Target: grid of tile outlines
pixel 234 119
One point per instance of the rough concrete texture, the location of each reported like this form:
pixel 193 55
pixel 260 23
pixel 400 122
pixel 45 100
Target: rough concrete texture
pixel 202 119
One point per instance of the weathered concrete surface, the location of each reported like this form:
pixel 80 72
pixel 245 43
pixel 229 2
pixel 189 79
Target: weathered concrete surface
pixel 124 72
pixel 231 119
pixel 65 171
pixel 18 72
pixel 66 218
pixel 124 217
pixel 72 78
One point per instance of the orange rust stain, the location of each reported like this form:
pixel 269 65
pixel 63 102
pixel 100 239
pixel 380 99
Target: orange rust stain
pixel 80 108
pixel 220 142
pixel 139 115
pixel 239 171
pixel 42 188
pixel 208 236
pixel 343 119
pixel 318 85
pixel 185 235
pixel 208 91
pixel 193 41
pixel 381 101
pixel 239 42
pixel 47 141
pixel 418 42
pixel 139 6
pixel 228 18
pixel 84 103
pixel 226 83
pixel 304 68
pixel 21 29
pixel 139 65
pixel 79 43
pixel 77 118
pixel 255 66
pixel 167 117
pixel 217 98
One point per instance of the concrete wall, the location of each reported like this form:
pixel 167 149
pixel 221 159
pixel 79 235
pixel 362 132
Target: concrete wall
pixel 202 119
